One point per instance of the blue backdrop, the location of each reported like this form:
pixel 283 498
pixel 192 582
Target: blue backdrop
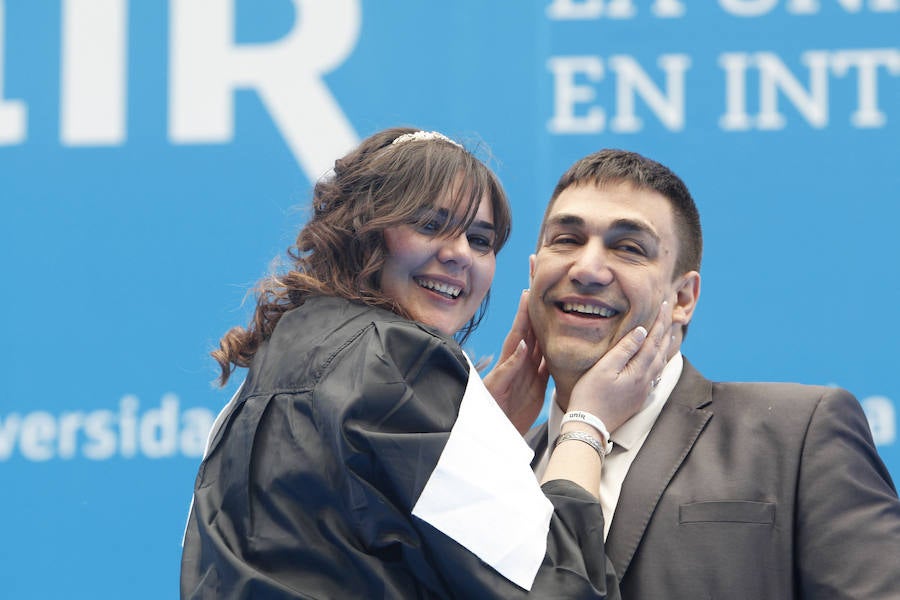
pixel 153 156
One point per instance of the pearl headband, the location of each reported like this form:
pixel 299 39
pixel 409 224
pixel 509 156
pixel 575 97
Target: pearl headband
pixel 423 136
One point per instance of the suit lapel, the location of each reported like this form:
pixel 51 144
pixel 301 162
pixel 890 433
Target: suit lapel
pixel 673 435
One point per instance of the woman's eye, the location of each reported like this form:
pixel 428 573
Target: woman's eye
pixel 480 242
pixel 430 221
pixel 432 226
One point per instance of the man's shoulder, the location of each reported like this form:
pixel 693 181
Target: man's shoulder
pixel 791 404
pixel 761 391
pixel 777 393
pixel 772 390
pixel 742 398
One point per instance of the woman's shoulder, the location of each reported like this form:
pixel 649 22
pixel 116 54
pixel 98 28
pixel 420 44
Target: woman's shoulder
pixel 367 338
pixel 378 370
pixel 326 333
pixel 330 322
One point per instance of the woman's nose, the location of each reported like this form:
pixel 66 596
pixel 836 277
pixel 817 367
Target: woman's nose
pixel 456 249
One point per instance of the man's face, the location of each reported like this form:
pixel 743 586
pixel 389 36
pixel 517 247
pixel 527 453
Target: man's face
pixel 604 265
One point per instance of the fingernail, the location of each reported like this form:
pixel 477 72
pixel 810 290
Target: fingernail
pixel 522 347
pixel 641 332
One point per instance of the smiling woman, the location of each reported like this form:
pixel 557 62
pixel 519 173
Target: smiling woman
pixel 363 456
pixel 441 279
pixel 393 182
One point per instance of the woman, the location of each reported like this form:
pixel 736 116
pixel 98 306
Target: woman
pixel 363 456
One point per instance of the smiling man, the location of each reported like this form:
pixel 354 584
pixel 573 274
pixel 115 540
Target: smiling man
pixel 712 490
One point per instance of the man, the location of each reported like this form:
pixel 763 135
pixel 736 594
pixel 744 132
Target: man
pixel 712 490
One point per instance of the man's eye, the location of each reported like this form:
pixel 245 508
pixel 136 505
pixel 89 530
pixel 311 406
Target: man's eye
pixel 564 239
pixel 631 248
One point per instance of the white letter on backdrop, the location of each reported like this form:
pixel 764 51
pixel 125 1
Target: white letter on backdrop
pixel 207 66
pixel 735 117
pixel 632 80
pixel 811 7
pixel 12 112
pixel 668 8
pixel 866 62
pixel 620 9
pixel 565 10
pixel 748 8
pixel 774 76
pixel 93 80
pixel 882 419
pixel 884 5
pixel 566 94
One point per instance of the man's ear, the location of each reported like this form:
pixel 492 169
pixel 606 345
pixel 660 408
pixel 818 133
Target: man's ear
pixel 687 293
pixel 530 270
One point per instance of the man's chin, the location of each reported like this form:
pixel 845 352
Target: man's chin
pixel 574 355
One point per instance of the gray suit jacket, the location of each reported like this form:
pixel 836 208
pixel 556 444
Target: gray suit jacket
pixel 755 490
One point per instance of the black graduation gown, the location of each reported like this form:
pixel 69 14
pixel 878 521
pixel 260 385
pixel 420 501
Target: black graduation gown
pixel 310 484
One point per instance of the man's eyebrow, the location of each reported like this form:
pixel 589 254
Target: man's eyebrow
pixel 565 220
pixel 619 225
pixel 634 226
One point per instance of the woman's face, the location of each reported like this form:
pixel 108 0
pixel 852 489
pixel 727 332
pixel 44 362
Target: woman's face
pixel 440 281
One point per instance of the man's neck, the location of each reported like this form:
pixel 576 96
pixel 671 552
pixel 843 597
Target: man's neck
pixel 563 391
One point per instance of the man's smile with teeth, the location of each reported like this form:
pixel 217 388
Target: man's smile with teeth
pixel 451 291
pixel 588 309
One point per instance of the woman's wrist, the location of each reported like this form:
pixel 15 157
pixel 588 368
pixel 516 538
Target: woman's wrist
pixel 595 423
pixel 584 438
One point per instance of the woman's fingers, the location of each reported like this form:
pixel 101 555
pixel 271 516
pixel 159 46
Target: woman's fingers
pixel 616 387
pixel 519 385
pixel 520 329
pixel 652 355
pixel 519 380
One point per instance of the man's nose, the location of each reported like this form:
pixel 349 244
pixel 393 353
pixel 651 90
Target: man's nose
pixel 591 266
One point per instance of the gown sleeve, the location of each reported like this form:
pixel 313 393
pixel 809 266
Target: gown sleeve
pixel 440 480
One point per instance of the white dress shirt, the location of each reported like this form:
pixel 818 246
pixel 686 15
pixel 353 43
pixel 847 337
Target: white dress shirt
pixel 627 439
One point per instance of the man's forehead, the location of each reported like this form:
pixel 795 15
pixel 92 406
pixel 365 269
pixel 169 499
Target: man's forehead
pixel 620 203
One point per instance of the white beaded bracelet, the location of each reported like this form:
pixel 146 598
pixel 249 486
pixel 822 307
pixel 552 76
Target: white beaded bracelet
pixel 582 437
pixel 593 421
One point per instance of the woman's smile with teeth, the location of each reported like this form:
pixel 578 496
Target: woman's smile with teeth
pixel 588 309
pixel 451 291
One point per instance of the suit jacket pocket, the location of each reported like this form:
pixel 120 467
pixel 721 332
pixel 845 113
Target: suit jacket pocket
pixel 725 511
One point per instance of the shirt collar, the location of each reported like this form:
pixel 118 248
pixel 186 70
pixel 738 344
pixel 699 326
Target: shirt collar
pixel 636 428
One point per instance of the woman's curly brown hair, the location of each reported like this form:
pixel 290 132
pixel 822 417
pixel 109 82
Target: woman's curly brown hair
pixel 341 250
